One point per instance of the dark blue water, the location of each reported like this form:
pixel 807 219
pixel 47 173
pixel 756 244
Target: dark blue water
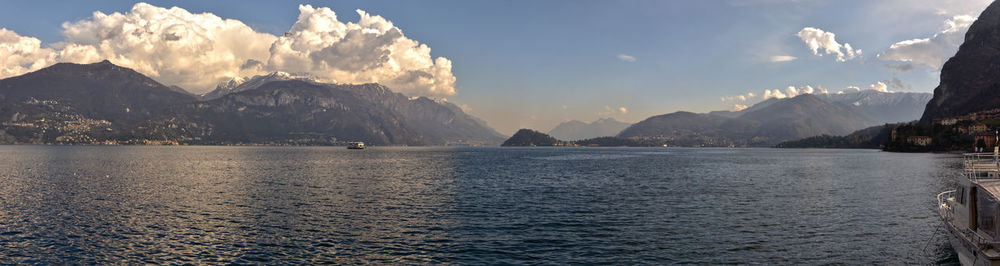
pixel 469 206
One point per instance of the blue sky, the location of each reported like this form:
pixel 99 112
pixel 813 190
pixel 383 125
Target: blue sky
pixel 534 64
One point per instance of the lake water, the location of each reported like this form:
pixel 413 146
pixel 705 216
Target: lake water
pixel 135 204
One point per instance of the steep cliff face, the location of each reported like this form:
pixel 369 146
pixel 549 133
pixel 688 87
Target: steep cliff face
pixel 970 81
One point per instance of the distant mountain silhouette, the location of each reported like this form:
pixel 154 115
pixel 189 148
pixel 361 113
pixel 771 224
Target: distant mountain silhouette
pixel 765 124
pixel 688 123
pixel 578 130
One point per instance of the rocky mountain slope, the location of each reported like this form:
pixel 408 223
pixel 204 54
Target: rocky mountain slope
pixel 776 121
pixel 100 90
pixel 805 116
pixel 884 107
pixel 244 84
pixel 970 80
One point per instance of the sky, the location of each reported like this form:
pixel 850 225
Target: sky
pixel 515 64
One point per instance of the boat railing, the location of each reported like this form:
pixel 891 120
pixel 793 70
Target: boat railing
pixel 944 208
pixel 981 166
pixel 947 214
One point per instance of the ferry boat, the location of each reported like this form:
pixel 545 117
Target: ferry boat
pixel 356 145
pixel 970 212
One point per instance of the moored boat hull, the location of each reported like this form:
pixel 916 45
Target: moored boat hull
pixel 965 254
pixel 968 254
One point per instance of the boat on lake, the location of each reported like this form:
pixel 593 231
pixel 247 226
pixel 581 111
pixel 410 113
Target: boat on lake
pixel 356 145
pixel 970 212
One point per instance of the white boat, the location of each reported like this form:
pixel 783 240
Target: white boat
pixel 970 212
pixel 356 145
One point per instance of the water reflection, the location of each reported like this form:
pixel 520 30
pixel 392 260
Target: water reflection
pixel 472 206
pixel 222 204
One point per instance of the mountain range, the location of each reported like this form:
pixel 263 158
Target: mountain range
pixel 102 102
pixel 579 130
pixel 776 120
pixel 90 103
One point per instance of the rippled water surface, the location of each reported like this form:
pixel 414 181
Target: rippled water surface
pixel 470 205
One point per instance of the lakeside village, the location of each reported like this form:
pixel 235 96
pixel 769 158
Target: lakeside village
pixel 968 133
pixel 59 124
pixel 54 123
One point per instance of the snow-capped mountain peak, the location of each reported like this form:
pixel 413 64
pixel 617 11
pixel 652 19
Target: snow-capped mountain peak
pixel 239 84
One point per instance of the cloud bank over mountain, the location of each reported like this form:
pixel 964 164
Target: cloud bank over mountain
pixel 743 101
pixel 198 51
pixel 21 54
pixel 171 45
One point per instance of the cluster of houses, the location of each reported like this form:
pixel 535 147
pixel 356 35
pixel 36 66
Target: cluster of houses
pixel 967 125
pixel 992 114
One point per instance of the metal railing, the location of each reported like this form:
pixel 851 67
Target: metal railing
pixel 944 208
pixel 947 214
pixel 981 166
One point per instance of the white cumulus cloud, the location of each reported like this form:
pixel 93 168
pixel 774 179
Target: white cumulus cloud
pixel 171 45
pixel 818 39
pixel 371 50
pixel 879 87
pixel 20 54
pixel 821 90
pixel 198 51
pixel 741 101
pixel 790 91
pixel 933 51
pixel 768 94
